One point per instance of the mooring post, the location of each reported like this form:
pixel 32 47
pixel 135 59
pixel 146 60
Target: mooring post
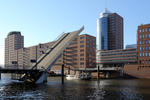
pixel 97 72
pixel 69 70
pixel 62 74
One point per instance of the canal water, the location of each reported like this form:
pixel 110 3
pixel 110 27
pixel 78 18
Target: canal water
pixel 110 89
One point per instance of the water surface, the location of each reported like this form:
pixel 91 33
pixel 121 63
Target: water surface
pixel 110 89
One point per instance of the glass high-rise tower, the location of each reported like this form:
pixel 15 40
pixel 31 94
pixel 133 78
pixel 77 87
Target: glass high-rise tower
pixel 109 31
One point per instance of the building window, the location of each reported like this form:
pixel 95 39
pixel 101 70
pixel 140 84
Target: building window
pixel 87 46
pixel 81 37
pixel 149 53
pixel 142 61
pixel 81 41
pixel 146 42
pixel 81 58
pixel 87 41
pixel 149 35
pixel 140 30
pixel 149 41
pixel 146 54
pixel 143 42
pixel 143 48
pixel 145 62
pixel 140 48
pixel 81 63
pixel 140 54
pixel 145 35
pixel 145 29
pixel 81 46
pixel 82 50
pixel 140 36
pixel 143 54
pixel 140 42
pixel 149 48
pixel 149 29
pixel 81 54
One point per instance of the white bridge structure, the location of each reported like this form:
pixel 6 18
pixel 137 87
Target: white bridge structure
pixel 48 59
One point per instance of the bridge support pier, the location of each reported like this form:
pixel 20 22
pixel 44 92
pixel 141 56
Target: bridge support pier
pixel 0 76
pixel 98 73
pixel 69 70
pixel 42 79
pixel 121 73
pixel 62 74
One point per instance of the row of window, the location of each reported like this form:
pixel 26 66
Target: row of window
pixel 144 42
pixel 144 36
pixel 81 63
pixel 144 54
pixel 144 48
pixel 81 46
pixel 144 30
pixel 145 62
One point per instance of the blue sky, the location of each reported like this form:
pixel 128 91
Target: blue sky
pixel 42 21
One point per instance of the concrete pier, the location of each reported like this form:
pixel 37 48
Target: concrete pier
pixel 98 73
pixel 121 72
pixel 0 75
pixel 62 74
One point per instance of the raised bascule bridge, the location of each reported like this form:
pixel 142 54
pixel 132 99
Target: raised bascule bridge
pixel 37 73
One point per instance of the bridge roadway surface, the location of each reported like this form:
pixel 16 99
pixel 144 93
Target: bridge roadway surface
pixel 23 70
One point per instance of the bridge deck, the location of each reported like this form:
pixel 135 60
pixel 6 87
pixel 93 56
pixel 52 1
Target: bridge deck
pixel 18 71
pixel 109 69
pixel 48 59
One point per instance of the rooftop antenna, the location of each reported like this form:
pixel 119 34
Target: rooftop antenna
pixel 105 5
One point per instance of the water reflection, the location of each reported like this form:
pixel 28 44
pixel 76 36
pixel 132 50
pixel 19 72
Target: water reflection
pixel 76 90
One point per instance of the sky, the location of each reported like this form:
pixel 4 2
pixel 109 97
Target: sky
pixel 41 21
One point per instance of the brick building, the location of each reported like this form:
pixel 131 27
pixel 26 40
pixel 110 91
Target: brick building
pixel 13 42
pixel 142 68
pixel 81 53
pixel 143 41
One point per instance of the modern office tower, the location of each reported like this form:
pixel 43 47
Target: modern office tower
pixel 143 42
pixel 109 31
pixel 13 42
